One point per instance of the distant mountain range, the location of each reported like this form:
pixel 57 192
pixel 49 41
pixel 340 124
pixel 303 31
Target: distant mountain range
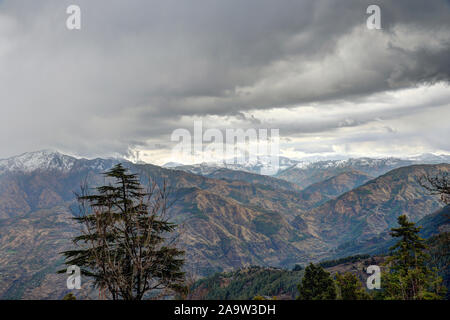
pixel 240 164
pixel 304 173
pixel 227 218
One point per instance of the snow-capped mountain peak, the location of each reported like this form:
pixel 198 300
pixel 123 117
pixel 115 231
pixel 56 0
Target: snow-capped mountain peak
pixel 43 159
pixel 172 164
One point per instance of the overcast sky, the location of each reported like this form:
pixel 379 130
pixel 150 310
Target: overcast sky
pixel 137 70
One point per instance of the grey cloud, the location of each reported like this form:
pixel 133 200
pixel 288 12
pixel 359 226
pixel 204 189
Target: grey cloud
pixel 137 68
pixel 314 148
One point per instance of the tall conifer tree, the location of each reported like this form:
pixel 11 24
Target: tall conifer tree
pixel 409 277
pixel 316 284
pixel 124 244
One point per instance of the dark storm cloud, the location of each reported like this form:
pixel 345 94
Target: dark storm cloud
pixel 139 69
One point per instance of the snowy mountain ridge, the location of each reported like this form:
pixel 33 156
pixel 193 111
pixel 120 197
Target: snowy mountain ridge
pixel 43 159
pixel 254 165
pixel 286 164
pixel 53 160
pixel 352 162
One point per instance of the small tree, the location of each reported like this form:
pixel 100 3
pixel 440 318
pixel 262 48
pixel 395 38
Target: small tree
pixel 409 277
pixel 69 296
pixel 350 288
pixel 124 245
pixel 316 284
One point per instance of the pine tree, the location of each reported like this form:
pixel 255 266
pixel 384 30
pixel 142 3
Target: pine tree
pixel 316 284
pixel 350 288
pixel 123 246
pixel 409 277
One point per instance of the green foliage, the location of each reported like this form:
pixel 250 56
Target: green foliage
pixel 350 288
pixel 409 277
pixel 316 284
pixel 249 283
pixel 439 252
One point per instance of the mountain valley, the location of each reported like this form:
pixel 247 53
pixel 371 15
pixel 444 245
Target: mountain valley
pixel 228 219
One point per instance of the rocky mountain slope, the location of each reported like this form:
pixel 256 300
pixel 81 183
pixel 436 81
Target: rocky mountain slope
pixel 320 192
pixel 374 207
pixel 432 225
pixel 29 254
pixel 228 174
